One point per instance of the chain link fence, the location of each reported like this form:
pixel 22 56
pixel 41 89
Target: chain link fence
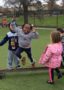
pixel 47 18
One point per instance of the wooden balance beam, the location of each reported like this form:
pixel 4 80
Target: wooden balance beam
pixel 24 69
pixel 4 71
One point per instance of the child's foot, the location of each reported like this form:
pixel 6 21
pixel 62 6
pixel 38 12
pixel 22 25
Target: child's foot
pixel 10 68
pixel 59 75
pixel 17 67
pixel 50 82
pixel 33 65
pixel 23 60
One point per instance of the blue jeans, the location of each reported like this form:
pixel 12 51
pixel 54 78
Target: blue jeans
pixel 12 57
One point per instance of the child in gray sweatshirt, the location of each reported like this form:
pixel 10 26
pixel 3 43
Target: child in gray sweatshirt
pixel 25 36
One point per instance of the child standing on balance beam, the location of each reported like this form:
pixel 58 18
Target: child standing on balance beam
pixel 12 39
pixel 25 36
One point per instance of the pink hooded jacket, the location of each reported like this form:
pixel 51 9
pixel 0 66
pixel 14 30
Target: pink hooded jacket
pixel 52 56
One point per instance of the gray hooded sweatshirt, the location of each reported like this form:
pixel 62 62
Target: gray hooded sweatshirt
pixel 24 40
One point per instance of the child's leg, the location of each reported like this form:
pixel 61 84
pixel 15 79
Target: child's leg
pixel 51 74
pixel 58 73
pixel 28 51
pixel 18 52
pixel 10 59
pixel 16 60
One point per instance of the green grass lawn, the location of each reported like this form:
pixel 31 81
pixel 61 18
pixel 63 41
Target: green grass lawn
pixel 28 80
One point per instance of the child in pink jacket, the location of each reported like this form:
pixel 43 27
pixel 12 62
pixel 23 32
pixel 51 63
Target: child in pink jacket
pixel 52 56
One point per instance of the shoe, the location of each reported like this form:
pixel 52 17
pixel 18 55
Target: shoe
pixel 59 75
pixel 33 65
pixel 17 67
pixel 10 68
pixel 50 82
pixel 23 60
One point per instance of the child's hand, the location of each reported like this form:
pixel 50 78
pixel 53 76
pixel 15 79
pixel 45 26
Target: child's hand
pixel 11 27
pixel 33 30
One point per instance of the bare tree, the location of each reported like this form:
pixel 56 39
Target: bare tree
pixel 63 4
pixel 39 8
pixel 51 5
pixel 25 4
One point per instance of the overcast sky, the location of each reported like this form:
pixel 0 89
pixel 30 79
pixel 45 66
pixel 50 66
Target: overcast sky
pixel 59 2
pixel 2 2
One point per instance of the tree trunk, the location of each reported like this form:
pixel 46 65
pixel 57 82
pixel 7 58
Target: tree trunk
pixel 25 7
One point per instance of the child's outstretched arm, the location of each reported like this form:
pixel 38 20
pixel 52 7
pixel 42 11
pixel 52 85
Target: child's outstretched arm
pixel 35 34
pixel 5 39
pixel 14 28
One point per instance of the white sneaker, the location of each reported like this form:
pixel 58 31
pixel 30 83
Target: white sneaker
pixel 10 68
